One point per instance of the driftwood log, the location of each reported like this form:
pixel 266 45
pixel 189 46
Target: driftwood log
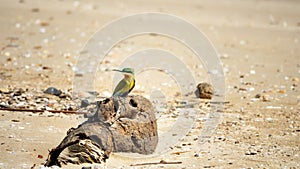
pixel 120 124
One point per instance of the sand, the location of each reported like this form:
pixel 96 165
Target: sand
pixel 258 45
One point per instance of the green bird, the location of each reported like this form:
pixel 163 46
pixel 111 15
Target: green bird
pixel 125 86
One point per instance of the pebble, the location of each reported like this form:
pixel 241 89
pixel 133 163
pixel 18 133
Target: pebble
pixel 97 167
pixel 204 91
pixel 84 103
pixel 4 90
pixel 53 91
pixel 42 30
pixel 20 105
pixel 251 152
pixel 266 98
pixel 27 55
pixel 295 79
pixel 224 56
pixel 7 54
pixel 252 72
pixel 45 40
pixel 86 168
pixel 251 89
pixel 17 25
pixel 257 96
pixel 269 119
pixel 242 42
pixel 35 10
pixel 286 78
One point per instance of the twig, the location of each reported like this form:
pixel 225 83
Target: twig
pixel 217 102
pixel 157 163
pixel 180 152
pixel 32 167
pixel 36 111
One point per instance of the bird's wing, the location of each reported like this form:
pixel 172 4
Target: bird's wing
pixel 121 88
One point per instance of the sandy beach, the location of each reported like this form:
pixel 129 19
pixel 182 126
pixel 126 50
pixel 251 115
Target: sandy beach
pixel 258 46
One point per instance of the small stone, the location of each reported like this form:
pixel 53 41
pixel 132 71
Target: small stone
pixel 257 96
pixel 251 153
pixel 286 78
pixel 42 30
pixel 97 167
pixel 269 119
pixel 44 24
pixel 27 55
pixel 242 42
pixel 204 91
pixel 86 168
pixel 242 89
pixel 21 104
pixel 37 47
pixel 4 90
pixel 84 103
pixel 295 79
pixel 18 25
pixel 79 74
pixel 7 54
pixel 281 91
pixel 35 10
pixel 224 56
pixel 266 98
pixel 53 91
pixel 251 89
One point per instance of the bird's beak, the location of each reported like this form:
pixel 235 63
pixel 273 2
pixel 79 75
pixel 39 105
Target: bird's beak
pixel 116 70
pixel 121 71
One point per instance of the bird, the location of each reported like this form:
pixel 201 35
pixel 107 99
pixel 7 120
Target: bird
pixel 125 86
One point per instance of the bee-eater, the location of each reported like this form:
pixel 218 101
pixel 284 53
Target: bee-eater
pixel 126 84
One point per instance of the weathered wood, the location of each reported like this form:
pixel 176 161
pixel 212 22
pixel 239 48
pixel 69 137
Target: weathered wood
pixel 135 129
pixel 120 124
